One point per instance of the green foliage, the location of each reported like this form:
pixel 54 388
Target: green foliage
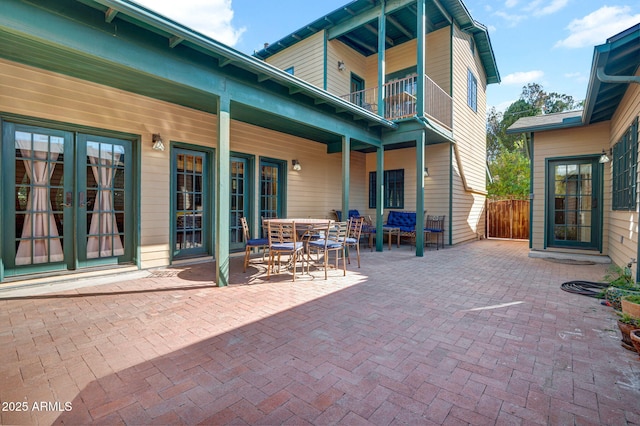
pixel 510 171
pixel 507 154
pixel 625 318
pixel 633 298
pixel 620 277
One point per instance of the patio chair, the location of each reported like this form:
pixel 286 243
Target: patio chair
pixel 334 240
pixel 435 226
pixel 354 231
pixel 283 240
pixel 251 243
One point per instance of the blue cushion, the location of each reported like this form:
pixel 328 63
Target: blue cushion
pixel 406 220
pixel 434 230
pixel 286 246
pixel 258 242
pixel 352 213
pixel 351 240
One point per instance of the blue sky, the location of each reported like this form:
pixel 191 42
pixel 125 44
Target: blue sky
pixel 549 42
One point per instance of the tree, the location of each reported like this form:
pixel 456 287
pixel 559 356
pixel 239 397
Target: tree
pixel 511 173
pixel 506 153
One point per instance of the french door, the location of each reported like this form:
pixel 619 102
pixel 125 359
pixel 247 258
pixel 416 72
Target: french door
pixel 574 207
pixel 72 200
pixel 191 198
pixel 240 199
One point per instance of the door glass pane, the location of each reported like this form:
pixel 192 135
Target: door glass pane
pixel 104 200
pixel 189 178
pixel 269 190
pixel 572 216
pixel 38 198
pixel 238 184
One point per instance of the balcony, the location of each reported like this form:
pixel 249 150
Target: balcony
pixel 400 98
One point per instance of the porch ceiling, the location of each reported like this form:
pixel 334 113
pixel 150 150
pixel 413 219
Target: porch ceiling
pixel 132 50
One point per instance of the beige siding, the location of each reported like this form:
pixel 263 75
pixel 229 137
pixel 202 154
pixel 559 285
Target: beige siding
pixel 622 235
pixel 589 140
pixel 313 191
pixel 405 55
pixel 307 58
pixel 470 135
pixel 339 82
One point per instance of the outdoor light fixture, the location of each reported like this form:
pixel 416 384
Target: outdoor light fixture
pixel 296 165
pixel 426 172
pixel 341 66
pixel 604 158
pixel 157 142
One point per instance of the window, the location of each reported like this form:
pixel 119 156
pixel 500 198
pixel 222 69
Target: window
pixel 472 91
pixel 289 70
pixel 625 155
pixel 272 188
pixel 393 189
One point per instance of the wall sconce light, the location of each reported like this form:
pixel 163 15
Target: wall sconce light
pixel 296 165
pixel 157 142
pixel 604 158
pixel 426 172
pixel 341 66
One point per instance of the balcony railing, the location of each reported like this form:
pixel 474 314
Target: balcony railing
pixel 400 98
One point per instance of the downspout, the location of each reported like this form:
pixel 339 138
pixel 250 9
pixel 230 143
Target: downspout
pixel 616 79
pixel 622 79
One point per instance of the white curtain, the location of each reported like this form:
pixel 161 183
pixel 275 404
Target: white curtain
pixel 42 244
pixel 104 240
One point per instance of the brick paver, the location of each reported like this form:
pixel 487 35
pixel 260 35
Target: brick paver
pixel 474 334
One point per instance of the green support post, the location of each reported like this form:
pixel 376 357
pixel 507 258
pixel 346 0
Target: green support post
pixel 379 198
pixel 420 152
pixel 382 30
pixel 346 173
pixel 222 204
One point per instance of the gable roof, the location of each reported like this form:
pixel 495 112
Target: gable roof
pixel 401 27
pixel 615 65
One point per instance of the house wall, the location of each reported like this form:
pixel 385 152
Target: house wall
pixel 313 191
pixel 588 140
pixel 339 82
pixel 622 235
pixel 307 58
pixel 436 191
pixel 469 130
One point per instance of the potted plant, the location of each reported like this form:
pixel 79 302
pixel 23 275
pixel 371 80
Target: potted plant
pixel 627 324
pixel 620 284
pixel 631 305
pixel 635 339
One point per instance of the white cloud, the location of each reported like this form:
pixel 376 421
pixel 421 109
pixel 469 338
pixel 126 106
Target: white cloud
pixel 523 77
pixel 512 19
pixel 552 7
pixel 210 17
pixel 598 26
pixel 511 3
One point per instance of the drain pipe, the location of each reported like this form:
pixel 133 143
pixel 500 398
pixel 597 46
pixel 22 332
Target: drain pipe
pixel 618 79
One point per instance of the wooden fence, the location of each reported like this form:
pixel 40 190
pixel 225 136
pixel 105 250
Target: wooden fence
pixel 508 219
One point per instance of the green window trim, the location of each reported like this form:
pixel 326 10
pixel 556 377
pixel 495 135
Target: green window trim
pixel 393 189
pixel 472 91
pixel 624 169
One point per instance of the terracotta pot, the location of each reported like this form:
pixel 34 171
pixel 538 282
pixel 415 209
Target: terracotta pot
pixel 635 339
pixel 625 330
pixel 630 308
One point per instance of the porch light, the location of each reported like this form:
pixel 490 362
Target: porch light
pixel 296 165
pixel 341 66
pixel 426 172
pixel 604 158
pixel 157 142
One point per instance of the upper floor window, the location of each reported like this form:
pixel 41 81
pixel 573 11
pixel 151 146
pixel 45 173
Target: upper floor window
pixel 472 91
pixel 289 70
pixel 625 156
pixel 472 46
pixel 393 189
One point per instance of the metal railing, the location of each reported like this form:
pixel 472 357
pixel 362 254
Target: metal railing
pixel 400 99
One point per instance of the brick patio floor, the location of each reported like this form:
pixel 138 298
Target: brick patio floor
pixel 474 334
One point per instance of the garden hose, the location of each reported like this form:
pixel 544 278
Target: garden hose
pixel 585 288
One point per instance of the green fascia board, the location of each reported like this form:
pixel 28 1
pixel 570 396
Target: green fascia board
pixel 62 34
pixel 366 17
pixel 601 56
